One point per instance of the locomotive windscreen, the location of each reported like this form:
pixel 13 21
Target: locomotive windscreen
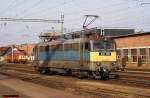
pixel 104 45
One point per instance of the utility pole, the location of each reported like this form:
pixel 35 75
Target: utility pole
pixel 62 26
pixel 12 54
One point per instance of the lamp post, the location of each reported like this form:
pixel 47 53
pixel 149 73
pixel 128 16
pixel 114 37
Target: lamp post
pixel 12 54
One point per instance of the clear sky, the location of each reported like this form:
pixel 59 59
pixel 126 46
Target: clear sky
pixel 113 13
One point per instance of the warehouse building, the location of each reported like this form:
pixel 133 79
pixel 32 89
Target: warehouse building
pixel 134 49
pixel 112 31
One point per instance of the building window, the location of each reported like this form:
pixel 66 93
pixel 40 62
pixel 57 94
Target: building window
pixel 133 55
pixel 143 55
pixel 149 55
pixel 125 54
pixel 118 54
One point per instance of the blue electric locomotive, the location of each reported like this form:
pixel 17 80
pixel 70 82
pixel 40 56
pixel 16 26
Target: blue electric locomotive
pixel 83 57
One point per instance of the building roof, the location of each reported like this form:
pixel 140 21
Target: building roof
pixel 8 50
pixel 3 50
pixel 132 35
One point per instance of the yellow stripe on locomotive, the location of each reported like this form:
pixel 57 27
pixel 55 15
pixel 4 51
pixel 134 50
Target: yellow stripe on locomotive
pixel 102 56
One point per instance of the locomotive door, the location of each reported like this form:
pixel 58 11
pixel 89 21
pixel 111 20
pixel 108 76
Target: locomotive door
pixel 85 48
pixel 81 54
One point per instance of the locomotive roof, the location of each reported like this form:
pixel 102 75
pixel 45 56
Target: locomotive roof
pixel 77 40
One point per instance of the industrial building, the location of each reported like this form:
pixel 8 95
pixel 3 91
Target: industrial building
pixel 27 48
pixel 135 49
pixel 113 31
pixel 11 54
pixel 17 52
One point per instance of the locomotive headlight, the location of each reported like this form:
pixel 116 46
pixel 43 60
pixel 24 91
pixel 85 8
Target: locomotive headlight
pixel 104 70
pixel 113 64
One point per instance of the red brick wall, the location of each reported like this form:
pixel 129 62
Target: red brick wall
pixel 135 42
pixel 28 48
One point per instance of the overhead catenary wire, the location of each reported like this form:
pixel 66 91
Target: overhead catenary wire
pixel 8 7
pixel 97 8
pixel 30 20
pixel 109 15
pixel 49 8
pixel 42 14
pixel 34 5
pixel 86 9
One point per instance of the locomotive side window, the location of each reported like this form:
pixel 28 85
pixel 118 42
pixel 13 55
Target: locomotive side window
pixel 67 47
pixel 59 47
pixel 47 48
pixel 75 46
pixel 53 47
pixel 42 49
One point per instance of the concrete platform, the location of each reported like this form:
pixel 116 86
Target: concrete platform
pixel 13 87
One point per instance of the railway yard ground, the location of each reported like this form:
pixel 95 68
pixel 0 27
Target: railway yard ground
pixel 22 81
pixel 11 87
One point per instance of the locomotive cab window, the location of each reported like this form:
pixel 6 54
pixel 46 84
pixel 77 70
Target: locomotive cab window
pixel 104 45
pixel 57 47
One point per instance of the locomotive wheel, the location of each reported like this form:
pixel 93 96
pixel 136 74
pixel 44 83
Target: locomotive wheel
pixel 91 75
pixel 104 76
pixel 44 70
pixel 116 77
pixel 69 72
pixel 80 76
pixel 36 68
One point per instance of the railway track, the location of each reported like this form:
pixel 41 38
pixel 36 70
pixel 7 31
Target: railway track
pixel 72 85
pixel 67 83
pixel 125 78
